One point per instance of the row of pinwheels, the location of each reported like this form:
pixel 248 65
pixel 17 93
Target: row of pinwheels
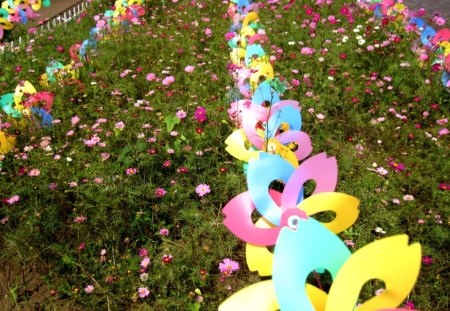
pixel 28 106
pixel 435 42
pixel 269 139
pixel 18 11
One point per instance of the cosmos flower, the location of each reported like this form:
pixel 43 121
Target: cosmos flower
pixel 228 266
pixel 202 189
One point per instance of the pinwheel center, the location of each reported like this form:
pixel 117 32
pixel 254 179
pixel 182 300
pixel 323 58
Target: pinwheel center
pixel 291 218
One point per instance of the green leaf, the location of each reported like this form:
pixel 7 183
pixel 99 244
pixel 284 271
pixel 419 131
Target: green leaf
pixel 171 121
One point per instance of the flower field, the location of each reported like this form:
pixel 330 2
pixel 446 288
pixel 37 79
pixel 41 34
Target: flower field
pixel 120 156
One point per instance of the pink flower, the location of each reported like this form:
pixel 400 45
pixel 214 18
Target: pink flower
pixel 439 20
pixel 34 172
pixel 79 219
pixel 120 125
pixel 89 289
pixel 98 180
pixel 307 51
pixel 73 184
pixel 181 114
pixel 131 171
pixel 320 116
pixel 160 192
pixel 13 200
pixel 189 69
pixel 143 252
pixel 164 232
pixel 143 292
pixel 408 197
pixel 168 80
pixel 228 266
pixel 443 131
pixel 74 120
pixel 202 189
pixel 145 262
pixel 151 77
pixel 208 32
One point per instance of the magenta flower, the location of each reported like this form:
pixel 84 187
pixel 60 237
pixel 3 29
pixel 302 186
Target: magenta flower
pixel 160 192
pixel 143 292
pixel 228 266
pixel 427 260
pixel 200 114
pixel 443 186
pixel 143 252
pixel 167 258
pixel 398 167
pixel 409 305
pixel 202 189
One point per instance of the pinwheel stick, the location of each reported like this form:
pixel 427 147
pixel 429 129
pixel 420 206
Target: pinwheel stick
pixel 318 280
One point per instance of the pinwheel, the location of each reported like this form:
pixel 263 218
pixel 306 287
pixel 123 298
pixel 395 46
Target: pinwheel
pixel 7 142
pixel 43 115
pixel 310 246
pixel 23 88
pixel 6 103
pixel 441 36
pixel 44 98
pixel 253 51
pixel 275 129
pixel 245 33
pixel 276 208
pixel 4 22
pixel 418 22
pixel 427 36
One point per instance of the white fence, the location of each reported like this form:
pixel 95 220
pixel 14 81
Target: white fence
pixel 62 18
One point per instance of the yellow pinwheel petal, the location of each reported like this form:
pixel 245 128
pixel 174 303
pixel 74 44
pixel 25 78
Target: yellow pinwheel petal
pixel 391 260
pixel 259 258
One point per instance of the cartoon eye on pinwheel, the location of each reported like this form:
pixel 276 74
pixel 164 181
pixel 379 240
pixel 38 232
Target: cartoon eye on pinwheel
pixel 311 246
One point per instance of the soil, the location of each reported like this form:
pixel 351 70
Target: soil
pixel 432 6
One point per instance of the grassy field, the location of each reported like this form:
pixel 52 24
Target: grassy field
pixel 112 200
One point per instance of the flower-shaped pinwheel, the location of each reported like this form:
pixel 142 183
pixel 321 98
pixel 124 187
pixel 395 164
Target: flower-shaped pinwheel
pixel 311 246
pixel 275 129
